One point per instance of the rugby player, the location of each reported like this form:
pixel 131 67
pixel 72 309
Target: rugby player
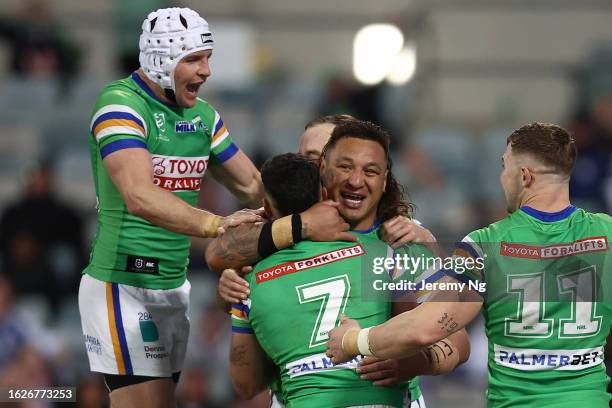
pixel 547 271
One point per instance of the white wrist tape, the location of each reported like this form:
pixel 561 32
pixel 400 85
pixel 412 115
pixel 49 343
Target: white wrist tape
pixel 363 344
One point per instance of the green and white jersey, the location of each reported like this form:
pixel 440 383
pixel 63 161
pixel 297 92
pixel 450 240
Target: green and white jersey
pixel 182 142
pixel 547 306
pixel 297 296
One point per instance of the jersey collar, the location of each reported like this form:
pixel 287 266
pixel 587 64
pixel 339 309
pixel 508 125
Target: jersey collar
pixel 549 216
pixel 372 228
pixel 136 78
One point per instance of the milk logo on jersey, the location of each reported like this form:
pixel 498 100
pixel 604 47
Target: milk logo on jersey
pixel 160 120
pixel 182 126
pixel 178 173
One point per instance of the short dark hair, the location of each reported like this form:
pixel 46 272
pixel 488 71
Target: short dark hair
pixel 293 181
pixel 332 119
pixel 548 143
pixel 392 202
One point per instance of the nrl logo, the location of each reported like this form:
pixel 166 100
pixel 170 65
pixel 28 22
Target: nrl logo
pixel 160 120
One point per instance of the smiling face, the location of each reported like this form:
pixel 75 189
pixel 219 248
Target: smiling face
pixel 191 72
pixel 355 173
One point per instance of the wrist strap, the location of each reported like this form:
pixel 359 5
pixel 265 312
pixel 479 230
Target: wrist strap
pixel 211 225
pixel 349 342
pixel 265 244
pixel 363 342
pixel 296 228
pixel 282 233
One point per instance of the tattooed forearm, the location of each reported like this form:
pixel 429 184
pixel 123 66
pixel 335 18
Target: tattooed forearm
pixel 238 356
pixel 447 323
pixel 235 248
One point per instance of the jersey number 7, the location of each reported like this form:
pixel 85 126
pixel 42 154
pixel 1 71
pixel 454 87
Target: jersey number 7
pixel 333 294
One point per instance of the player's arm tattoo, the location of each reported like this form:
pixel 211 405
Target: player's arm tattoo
pixel 447 323
pixel 238 356
pixel 235 248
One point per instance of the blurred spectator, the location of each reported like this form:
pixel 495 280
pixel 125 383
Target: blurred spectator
pixel 591 184
pixel 21 362
pixel 12 329
pixel 193 390
pixel 336 98
pixel 209 348
pixel 39 47
pixel 41 240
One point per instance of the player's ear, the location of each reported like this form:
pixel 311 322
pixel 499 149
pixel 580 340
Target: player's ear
pixel 526 176
pixel 267 207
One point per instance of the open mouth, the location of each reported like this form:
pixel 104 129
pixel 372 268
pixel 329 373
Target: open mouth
pixel 194 88
pixel 352 200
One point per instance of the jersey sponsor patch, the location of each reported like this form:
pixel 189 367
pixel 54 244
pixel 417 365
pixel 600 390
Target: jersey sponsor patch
pixel 303 264
pixel 177 173
pixel 141 264
pixel 318 363
pixel 543 360
pixel 583 246
pixel 182 126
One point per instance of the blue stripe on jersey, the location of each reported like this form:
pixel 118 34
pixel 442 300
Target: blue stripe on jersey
pixel 219 126
pixel 116 115
pixel 120 145
pixel 146 88
pixel 467 248
pixel 125 352
pixel 372 228
pixel 242 307
pixel 228 153
pixel 549 216
pixel 246 330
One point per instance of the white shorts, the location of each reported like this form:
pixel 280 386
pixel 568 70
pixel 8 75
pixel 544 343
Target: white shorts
pixel 134 331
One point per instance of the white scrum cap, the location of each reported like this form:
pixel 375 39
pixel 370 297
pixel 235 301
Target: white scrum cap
pixel 168 35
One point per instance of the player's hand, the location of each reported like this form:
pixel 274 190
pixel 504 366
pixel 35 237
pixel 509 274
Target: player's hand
pixel 334 344
pixel 401 230
pixel 232 287
pixel 322 222
pixel 381 372
pixel 243 216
